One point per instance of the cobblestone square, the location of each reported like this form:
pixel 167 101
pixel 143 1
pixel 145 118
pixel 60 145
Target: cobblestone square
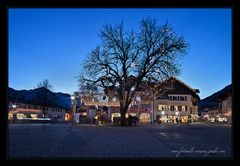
pixel 144 141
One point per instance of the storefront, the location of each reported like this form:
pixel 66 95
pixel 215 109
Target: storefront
pixel 172 119
pixel 144 118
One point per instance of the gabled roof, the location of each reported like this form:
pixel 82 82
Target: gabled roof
pixel 174 78
pixel 171 80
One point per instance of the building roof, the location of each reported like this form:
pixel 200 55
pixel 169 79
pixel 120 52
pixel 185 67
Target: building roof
pixel 162 86
pixel 20 110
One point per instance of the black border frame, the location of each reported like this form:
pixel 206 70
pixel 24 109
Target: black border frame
pixel 5 5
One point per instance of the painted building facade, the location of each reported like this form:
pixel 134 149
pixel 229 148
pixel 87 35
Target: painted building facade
pixel 172 102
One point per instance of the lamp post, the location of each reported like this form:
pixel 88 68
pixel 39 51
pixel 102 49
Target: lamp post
pixel 73 110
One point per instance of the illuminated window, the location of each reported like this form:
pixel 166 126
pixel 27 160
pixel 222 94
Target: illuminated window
pixel 161 107
pixel 84 114
pixel 184 108
pixel 175 108
pixel 21 116
pixel 34 116
pixel 10 115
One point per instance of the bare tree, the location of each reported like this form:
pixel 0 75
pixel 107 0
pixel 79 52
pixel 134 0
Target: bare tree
pixel 45 84
pixel 149 55
pixel 43 97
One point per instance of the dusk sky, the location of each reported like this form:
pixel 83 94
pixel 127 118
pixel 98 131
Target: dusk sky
pixel 52 44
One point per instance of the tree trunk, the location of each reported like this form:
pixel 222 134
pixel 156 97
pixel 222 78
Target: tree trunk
pixel 123 119
pixel 123 111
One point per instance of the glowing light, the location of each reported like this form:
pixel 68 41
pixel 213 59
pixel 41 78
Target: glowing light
pixel 132 89
pixel 117 84
pixel 177 113
pixel 163 112
pixel 114 99
pixel 72 97
pixel 14 106
pixel 138 98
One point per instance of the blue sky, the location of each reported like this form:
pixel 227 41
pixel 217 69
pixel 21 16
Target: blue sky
pixel 52 44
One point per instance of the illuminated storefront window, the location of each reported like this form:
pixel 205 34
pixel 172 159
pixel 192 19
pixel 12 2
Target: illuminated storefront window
pixel 144 118
pixel 175 108
pixel 21 116
pixel 161 107
pixel 34 116
pixel 10 115
pixel 115 115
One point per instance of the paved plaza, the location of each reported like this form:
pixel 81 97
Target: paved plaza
pixel 144 141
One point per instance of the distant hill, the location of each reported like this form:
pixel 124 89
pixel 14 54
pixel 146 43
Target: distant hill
pixel 209 102
pixel 60 100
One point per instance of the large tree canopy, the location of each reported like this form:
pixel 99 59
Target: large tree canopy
pixel 150 55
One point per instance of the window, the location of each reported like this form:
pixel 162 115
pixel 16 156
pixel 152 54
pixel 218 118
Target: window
pixel 172 107
pixel 161 107
pixel 171 98
pixel 175 108
pixel 167 107
pixel 182 98
pixel 175 98
pixel 179 108
pixel 185 98
pixel 185 108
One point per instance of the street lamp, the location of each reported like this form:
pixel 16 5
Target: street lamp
pixel 73 109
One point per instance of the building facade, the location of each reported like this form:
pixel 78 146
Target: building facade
pixel 178 103
pixel 218 107
pixel 172 102
pixel 22 111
